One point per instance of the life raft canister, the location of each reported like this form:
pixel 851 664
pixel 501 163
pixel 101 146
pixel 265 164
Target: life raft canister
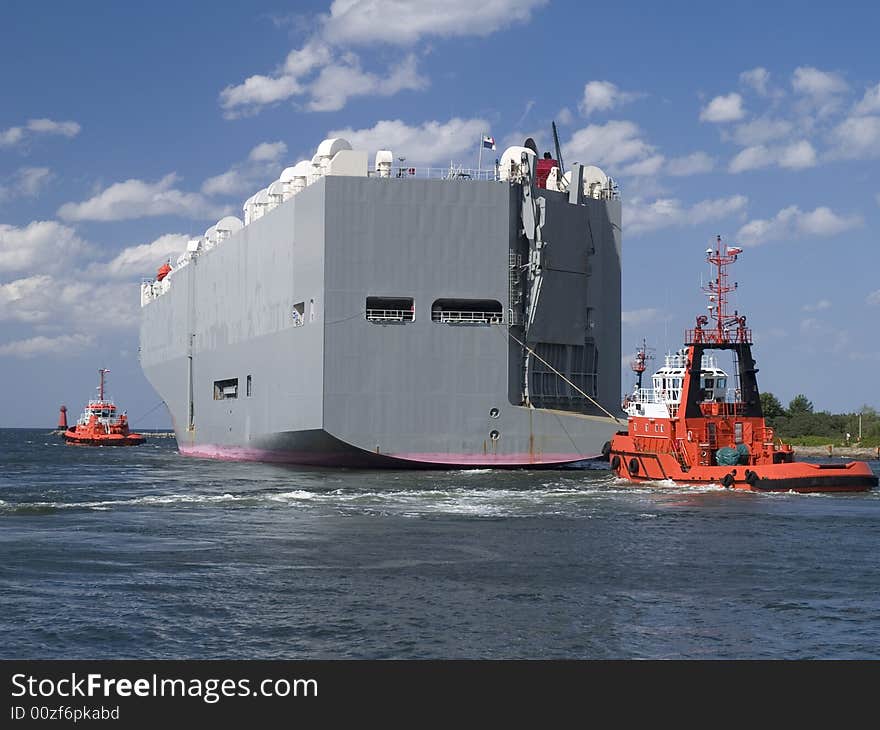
pixel 164 270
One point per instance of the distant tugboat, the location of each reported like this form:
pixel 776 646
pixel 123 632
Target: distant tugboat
pixel 99 424
pixel 691 428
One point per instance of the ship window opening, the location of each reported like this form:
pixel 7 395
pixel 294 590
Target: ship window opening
pixel 390 310
pixel 311 310
pixel 467 311
pixel 494 413
pixel 494 435
pixel 224 389
pixel 298 314
pixel 249 386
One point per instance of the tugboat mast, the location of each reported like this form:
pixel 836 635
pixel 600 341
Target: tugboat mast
pixel 101 386
pixel 728 328
pixel 639 364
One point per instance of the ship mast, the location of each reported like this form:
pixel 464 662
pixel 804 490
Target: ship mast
pixel 728 328
pixel 639 363
pixel 101 386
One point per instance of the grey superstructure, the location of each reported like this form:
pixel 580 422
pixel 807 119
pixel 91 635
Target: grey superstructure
pixel 377 320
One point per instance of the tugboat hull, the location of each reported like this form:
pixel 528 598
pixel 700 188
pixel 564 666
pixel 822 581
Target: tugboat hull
pixel 112 439
pixel 797 476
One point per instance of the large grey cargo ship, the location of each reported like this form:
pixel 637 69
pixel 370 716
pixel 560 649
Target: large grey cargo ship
pixel 397 317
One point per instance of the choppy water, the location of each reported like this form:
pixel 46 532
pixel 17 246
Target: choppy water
pixel 142 553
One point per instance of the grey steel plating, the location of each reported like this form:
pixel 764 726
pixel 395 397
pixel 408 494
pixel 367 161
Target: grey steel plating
pixel 378 322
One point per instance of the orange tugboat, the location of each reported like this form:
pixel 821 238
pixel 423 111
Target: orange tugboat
pixel 692 429
pixel 100 424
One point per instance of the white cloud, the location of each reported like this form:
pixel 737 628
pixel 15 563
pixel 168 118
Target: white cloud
pixel 600 96
pixel 870 103
pixel 873 298
pixel 139 199
pixel 757 79
pixel 811 81
pixel 27 182
pixel 795 156
pixel 693 164
pixel 648 166
pixel 257 91
pixel 338 75
pixel 822 304
pixel 760 131
pixel 642 217
pixel 406 23
pixel 42 345
pixel 751 158
pixel 337 83
pixel 40 244
pixel 256 172
pixel 821 91
pixel 429 142
pixel 144 259
pixel 636 317
pixel 792 222
pixel 613 143
pixel 856 138
pixel 14 135
pixel 45 298
pixel 564 116
pixel 268 152
pixel 727 108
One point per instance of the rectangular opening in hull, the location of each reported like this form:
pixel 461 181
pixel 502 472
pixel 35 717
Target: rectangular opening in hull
pixel 225 389
pixel 467 311
pixel 387 310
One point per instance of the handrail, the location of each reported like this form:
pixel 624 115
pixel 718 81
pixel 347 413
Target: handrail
pixel 448 316
pixel 390 315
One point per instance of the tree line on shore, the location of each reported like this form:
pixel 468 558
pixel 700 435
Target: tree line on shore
pixel 801 423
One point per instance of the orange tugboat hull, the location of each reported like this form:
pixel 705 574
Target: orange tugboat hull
pixel 111 439
pixel 627 462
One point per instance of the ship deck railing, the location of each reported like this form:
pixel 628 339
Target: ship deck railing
pixel 390 315
pixel 453 172
pixel 465 317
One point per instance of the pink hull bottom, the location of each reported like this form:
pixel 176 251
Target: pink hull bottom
pixel 353 457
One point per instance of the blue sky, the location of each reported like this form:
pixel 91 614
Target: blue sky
pixel 125 128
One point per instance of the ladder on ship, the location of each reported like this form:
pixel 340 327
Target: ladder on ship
pixel 678 448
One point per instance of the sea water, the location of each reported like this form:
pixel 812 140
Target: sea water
pixel 139 552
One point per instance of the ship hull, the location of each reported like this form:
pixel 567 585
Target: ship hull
pixel 110 440
pixel 639 466
pixel 262 348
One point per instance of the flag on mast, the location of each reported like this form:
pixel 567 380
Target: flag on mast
pixel 488 143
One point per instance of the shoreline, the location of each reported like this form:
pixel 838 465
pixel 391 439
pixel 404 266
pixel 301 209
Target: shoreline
pixel 860 452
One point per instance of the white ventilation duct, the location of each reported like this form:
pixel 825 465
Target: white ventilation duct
pixel 384 160
pixel 248 209
pixel 327 150
pixel 211 238
pixel 275 193
pixel 227 226
pixel 510 166
pixel 261 204
pixel 595 181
